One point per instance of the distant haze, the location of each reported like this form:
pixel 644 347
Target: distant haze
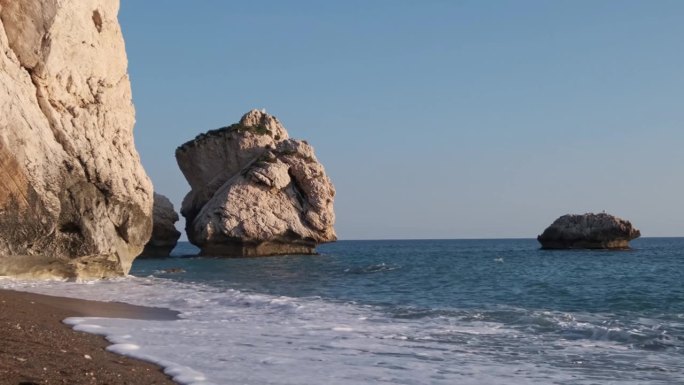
pixel 434 119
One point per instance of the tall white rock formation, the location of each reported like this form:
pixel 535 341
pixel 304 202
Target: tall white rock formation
pixel 254 191
pixel 74 198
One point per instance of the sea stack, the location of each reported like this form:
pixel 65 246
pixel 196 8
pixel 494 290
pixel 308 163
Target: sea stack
pixel 74 199
pixel 164 233
pixel 255 192
pixel 588 231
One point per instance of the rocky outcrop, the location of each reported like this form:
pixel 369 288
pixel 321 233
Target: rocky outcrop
pixel 164 233
pixel 74 198
pixel 588 231
pixel 255 191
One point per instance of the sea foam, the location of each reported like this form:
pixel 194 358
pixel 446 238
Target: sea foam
pixel 227 336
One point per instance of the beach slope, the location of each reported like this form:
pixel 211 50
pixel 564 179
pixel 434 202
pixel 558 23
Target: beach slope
pixel 37 348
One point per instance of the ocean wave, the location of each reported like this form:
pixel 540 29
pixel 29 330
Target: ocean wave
pixel 231 336
pixel 373 268
pixel 644 334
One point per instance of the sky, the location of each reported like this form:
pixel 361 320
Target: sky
pixel 434 119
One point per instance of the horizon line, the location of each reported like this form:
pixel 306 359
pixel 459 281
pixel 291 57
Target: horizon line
pixel 473 239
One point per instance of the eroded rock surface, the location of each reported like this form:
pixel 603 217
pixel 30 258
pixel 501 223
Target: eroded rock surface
pixel 74 198
pixel 164 233
pixel 255 191
pixel 588 231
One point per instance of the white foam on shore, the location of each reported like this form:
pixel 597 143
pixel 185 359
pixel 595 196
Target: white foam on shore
pixel 226 336
pixel 121 344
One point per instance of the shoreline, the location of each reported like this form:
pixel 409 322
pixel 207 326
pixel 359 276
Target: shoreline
pixel 37 347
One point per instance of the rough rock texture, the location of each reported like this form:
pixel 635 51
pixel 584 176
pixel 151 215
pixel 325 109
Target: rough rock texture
pixel 588 231
pixel 164 233
pixel 254 191
pixel 74 198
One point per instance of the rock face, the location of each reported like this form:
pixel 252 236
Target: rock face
pixel 588 231
pixel 254 191
pixel 164 233
pixel 74 198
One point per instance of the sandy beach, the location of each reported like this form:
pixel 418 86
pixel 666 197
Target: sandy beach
pixel 37 348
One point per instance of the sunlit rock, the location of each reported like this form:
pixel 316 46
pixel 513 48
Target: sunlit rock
pixel 254 191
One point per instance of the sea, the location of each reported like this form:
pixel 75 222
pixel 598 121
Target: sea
pixel 404 312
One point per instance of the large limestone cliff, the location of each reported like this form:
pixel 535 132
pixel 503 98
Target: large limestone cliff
pixel 74 198
pixel 254 191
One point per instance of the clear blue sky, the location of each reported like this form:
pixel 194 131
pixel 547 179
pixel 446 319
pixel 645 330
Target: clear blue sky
pixel 434 119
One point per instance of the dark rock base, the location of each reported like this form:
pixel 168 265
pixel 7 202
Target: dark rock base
pixel 264 249
pixel 152 251
pixel 600 245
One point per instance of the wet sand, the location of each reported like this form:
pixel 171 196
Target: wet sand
pixel 37 348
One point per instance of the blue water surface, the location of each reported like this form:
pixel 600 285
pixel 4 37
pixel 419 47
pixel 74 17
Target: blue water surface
pixel 444 274
pixel 609 316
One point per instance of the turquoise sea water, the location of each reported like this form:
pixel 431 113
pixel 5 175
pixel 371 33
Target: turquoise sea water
pixel 407 312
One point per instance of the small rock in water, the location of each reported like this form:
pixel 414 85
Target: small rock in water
pixel 164 234
pixel 588 231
